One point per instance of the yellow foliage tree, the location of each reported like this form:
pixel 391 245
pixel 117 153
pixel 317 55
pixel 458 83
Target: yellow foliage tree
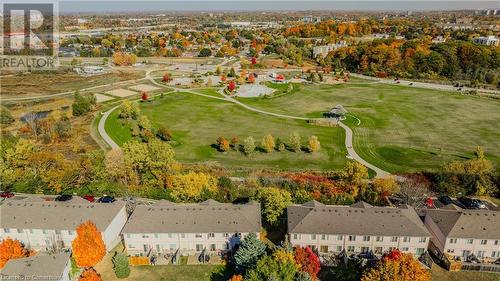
pixel 268 143
pixel 190 186
pixel 313 144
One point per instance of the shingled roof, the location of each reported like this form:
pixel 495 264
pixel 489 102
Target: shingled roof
pixel 40 214
pixel 40 265
pixel 475 224
pixel 358 219
pixel 207 216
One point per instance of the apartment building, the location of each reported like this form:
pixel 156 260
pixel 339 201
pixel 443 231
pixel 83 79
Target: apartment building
pixel 488 41
pixel 166 227
pixel 44 225
pixel 40 267
pixel 465 233
pixel 358 228
pixel 324 50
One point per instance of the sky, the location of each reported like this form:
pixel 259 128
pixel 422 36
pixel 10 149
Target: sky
pixel 86 6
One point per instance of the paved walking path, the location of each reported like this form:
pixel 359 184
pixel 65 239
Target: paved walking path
pixel 102 131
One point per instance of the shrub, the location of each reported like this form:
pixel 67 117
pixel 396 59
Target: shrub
pixel 81 106
pixel 222 144
pixel 313 144
pixel 248 145
pixel 294 142
pixel 268 143
pixel 5 116
pixel 164 134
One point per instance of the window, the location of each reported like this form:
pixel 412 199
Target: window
pixel 19 230
pixel 71 232
pixel 496 242
pixel 366 238
pixel 197 235
pixel 158 248
pixel 130 246
pixel 405 249
pixel 323 237
pixel 145 236
pixel 44 231
pixel 227 235
pixel 199 247
pixel 339 248
pixel 394 239
pixel 465 253
pixel 212 247
pixel 484 242
pixel 156 235
pixel 380 239
pixel 352 238
pixel 378 250
pixel 480 254
pixel 350 248
pixel 406 239
pixel 453 240
pixel 295 236
pixel 145 247
pixel 340 237
pixel 172 247
pixel 420 251
pixel 31 231
pixel 422 239
pixel 128 235
pixel 450 251
pixel 6 230
pixel 323 249
pixel 469 241
pixel 170 235
pixel 365 249
pixel 211 235
pixel 313 236
pixel 495 254
pixel 183 235
pixel 58 232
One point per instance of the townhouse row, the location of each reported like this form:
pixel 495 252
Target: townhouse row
pixel 166 227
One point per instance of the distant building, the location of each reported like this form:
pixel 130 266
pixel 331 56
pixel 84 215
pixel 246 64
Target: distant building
pixel 89 70
pixel 324 50
pixel 359 228
pixel 488 41
pixel 311 19
pixel 45 225
pixel 52 267
pixel 438 39
pixel 167 227
pixel 465 233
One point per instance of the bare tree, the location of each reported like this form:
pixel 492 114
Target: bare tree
pixel 30 119
pixel 412 192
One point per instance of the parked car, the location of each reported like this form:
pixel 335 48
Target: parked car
pixel 479 203
pixel 445 199
pixel 64 197
pixel 107 199
pixel 6 194
pixel 468 203
pixel 89 198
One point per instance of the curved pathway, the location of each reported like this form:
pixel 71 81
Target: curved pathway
pixel 348 136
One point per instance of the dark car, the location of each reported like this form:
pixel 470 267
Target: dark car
pixel 89 198
pixel 479 203
pixel 6 194
pixel 107 199
pixel 446 200
pixel 468 203
pixel 64 197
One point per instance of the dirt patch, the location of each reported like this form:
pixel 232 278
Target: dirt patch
pixel 121 93
pixel 102 98
pixel 144 87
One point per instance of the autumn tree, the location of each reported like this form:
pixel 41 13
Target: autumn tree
pixel 251 78
pixel 232 86
pixel 307 261
pixel 12 249
pixel 294 142
pixel 235 141
pixel 222 144
pixel 248 145
pixel 90 274
pixel 129 110
pixel 88 246
pixel 144 96
pixel 354 172
pixel 236 277
pixel 191 186
pixel 397 266
pixel 268 143
pixel 313 144
pixel 274 201
pixel 166 78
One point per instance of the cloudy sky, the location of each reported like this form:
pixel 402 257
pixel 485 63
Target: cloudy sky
pixel 71 6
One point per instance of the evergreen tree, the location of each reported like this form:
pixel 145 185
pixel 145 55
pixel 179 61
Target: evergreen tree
pixel 249 252
pixel 121 265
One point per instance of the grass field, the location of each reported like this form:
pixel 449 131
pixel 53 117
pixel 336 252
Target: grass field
pixel 402 128
pixel 196 123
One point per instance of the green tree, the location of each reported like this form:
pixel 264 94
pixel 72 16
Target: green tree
pixel 121 265
pixel 5 116
pixel 268 143
pixel 294 141
pixel 205 52
pixel 249 252
pixel 232 72
pixel 248 145
pixel 280 145
pixel 81 105
pixel 274 201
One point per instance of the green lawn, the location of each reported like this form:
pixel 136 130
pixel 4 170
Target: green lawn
pixel 196 122
pixel 440 274
pixel 402 128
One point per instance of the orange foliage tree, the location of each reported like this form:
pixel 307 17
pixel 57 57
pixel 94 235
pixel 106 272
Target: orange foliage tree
pixel 236 278
pixel 90 275
pixel 88 246
pixel 251 78
pixel 12 249
pixel 397 266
